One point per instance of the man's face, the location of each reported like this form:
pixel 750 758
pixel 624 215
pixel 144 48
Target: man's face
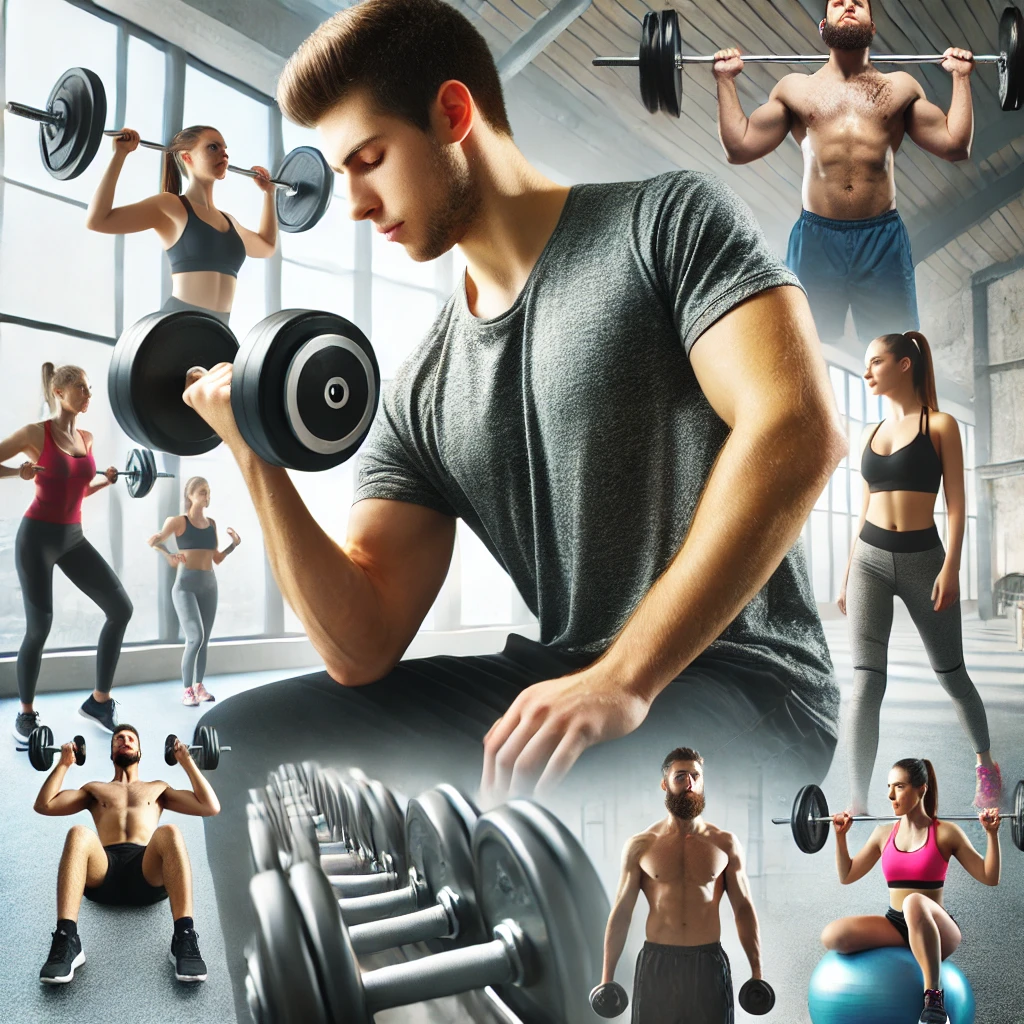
pixel 684 789
pixel 417 191
pixel 125 749
pixel 847 25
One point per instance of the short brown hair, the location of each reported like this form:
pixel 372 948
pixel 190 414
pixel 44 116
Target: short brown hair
pixel 680 754
pixel 399 50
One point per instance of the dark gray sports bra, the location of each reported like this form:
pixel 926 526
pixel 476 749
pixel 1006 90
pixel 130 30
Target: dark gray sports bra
pixel 202 247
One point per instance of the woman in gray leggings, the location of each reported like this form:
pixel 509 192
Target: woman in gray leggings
pixel 195 589
pixel 898 553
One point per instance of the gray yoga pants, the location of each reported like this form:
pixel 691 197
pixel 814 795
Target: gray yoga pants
pixel 877 575
pixel 195 600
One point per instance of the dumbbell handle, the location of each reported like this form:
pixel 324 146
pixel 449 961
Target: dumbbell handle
pixel 196 746
pixel 437 922
pixel 874 817
pixel 806 58
pixel 290 188
pixel 363 885
pixel 360 909
pixel 497 962
pixel 34 114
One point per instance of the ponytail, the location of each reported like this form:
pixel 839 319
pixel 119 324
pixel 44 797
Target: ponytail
pixel 48 370
pixel 920 772
pixel 913 345
pixel 173 167
pixel 56 379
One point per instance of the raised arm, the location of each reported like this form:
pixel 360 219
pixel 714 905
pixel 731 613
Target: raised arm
pixel 52 800
pixel 948 136
pixel 201 802
pixel 261 244
pixel 219 556
pixel 104 217
pixel 865 499
pixel 617 929
pixel 24 441
pixel 985 870
pixel 745 139
pixel 853 869
pixel 360 602
pixel 946 588
pixel 737 888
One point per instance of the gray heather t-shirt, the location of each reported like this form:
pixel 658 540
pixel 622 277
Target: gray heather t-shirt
pixel 570 432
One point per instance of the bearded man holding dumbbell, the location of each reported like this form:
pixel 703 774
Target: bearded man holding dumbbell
pixel 850 247
pixel 130 860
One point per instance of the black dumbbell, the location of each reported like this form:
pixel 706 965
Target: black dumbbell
pixel 41 749
pixel 609 999
pixel 205 748
pixel 757 997
pixel 539 897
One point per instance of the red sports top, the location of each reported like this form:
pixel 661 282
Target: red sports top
pixel 62 484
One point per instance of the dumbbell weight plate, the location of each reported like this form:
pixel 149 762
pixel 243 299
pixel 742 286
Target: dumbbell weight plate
pixel 671 74
pixel 140 472
pixel 262 846
pixel 1017 820
pixel 531 869
pixel 609 1000
pixel 1011 43
pixel 38 757
pixel 810 836
pixel 388 824
pixel 147 377
pixel 650 40
pixel 68 150
pixel 309 170
pixel 756 997
pixel 209 747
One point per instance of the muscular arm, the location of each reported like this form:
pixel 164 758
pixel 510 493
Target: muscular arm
pixel 617 929
pixel 53 801
pixel 737 886
pixel 853 869
pixel 761 369
pixel 745 139
pixel 948 136
pixel 202 802
pixel 987 870
pixel 21 441
pixel 104 217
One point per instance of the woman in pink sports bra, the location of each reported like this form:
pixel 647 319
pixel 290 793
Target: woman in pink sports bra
pixel 915 855
pixel 64 471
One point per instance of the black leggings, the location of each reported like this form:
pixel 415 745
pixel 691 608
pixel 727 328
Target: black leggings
pixel 39 547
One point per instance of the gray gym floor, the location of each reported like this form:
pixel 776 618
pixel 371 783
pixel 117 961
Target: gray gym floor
pixel 796 895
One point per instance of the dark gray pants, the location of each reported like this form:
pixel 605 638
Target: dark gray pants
pixel 425 721
pixel 682 985
pixel 195 600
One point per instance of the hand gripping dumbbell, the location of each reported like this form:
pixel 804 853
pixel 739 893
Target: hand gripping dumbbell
pixel 41 749
pixel 539 897
pixel 205 748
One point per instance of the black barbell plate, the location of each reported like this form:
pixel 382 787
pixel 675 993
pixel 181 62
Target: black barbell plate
pixel 1011 45
pixel 757 997
pixel 39 738
pixel 140 472
pixel 305 389
pixel 650 84
pixel 1017 821
pixel 147 377
pixel 809 835
pixel 207 740
pixel 79 750
pixel 68 150
pixel 532 870
pixel 307 169
pixel 670 73
pixel 609 1000
pixel 169 757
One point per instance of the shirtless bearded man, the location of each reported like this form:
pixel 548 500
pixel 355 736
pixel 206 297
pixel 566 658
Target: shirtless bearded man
pixel 683 865
pixel 128 860
pixel 849 248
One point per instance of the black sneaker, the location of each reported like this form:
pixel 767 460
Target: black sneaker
pixel 934 1011
pixel 24 723
pixel 100 712
pixel 65 955
pixel 189 964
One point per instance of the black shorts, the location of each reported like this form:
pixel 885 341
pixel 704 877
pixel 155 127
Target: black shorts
pixel 682 985
pixel 899 922
pixel 125 885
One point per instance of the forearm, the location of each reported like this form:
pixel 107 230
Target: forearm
pixel 51 787
pixel 844 862
pixel 202 789
pixel 754 505
pixel 158 546
pixel 750 937
pixel 93 488
pixel 221 555
pixel 614 942
pixel 103 199
pixel 268 220
pixel 7 471
pixel 993 862
pixel 960 119
pixel 732 122
pixel 333 597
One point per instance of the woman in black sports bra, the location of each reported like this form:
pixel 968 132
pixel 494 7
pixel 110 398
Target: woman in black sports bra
pixel 898 553
pixel 205 246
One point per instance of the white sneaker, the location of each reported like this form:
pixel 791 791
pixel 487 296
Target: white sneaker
pixel 190 700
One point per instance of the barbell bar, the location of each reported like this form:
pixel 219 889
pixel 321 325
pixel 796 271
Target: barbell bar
pixel 140 472
pixel 661 60
pixel 810 818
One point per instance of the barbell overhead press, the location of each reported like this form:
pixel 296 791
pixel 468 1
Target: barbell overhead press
pixel 661 60
pixel 41 748
pixel 810 819
pixel 304 184
pixel 71 126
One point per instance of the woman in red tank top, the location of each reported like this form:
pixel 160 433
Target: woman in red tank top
pixel 64 471
pixel 915 854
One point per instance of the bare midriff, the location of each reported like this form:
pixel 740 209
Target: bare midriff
pixel 125 812
pixel 901 510
pixel 207 288
pixel 200 558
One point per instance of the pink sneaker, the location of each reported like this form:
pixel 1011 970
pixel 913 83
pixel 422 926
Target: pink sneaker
pixel 989 789
pixel 190 700
pixel 202 693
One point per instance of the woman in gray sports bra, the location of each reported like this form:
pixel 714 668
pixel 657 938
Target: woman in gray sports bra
pixel 195 588
pixel 205 246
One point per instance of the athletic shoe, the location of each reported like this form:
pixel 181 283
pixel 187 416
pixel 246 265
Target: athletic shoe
pixel 100 712
pixel 934 1012
pixel 203 693
pixel 188 961
pixel 189 698
pixel 65 955
pixel 989 788
pixel 24 723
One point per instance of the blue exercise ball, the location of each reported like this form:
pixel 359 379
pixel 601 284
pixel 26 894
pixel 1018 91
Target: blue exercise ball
pixel 883 986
